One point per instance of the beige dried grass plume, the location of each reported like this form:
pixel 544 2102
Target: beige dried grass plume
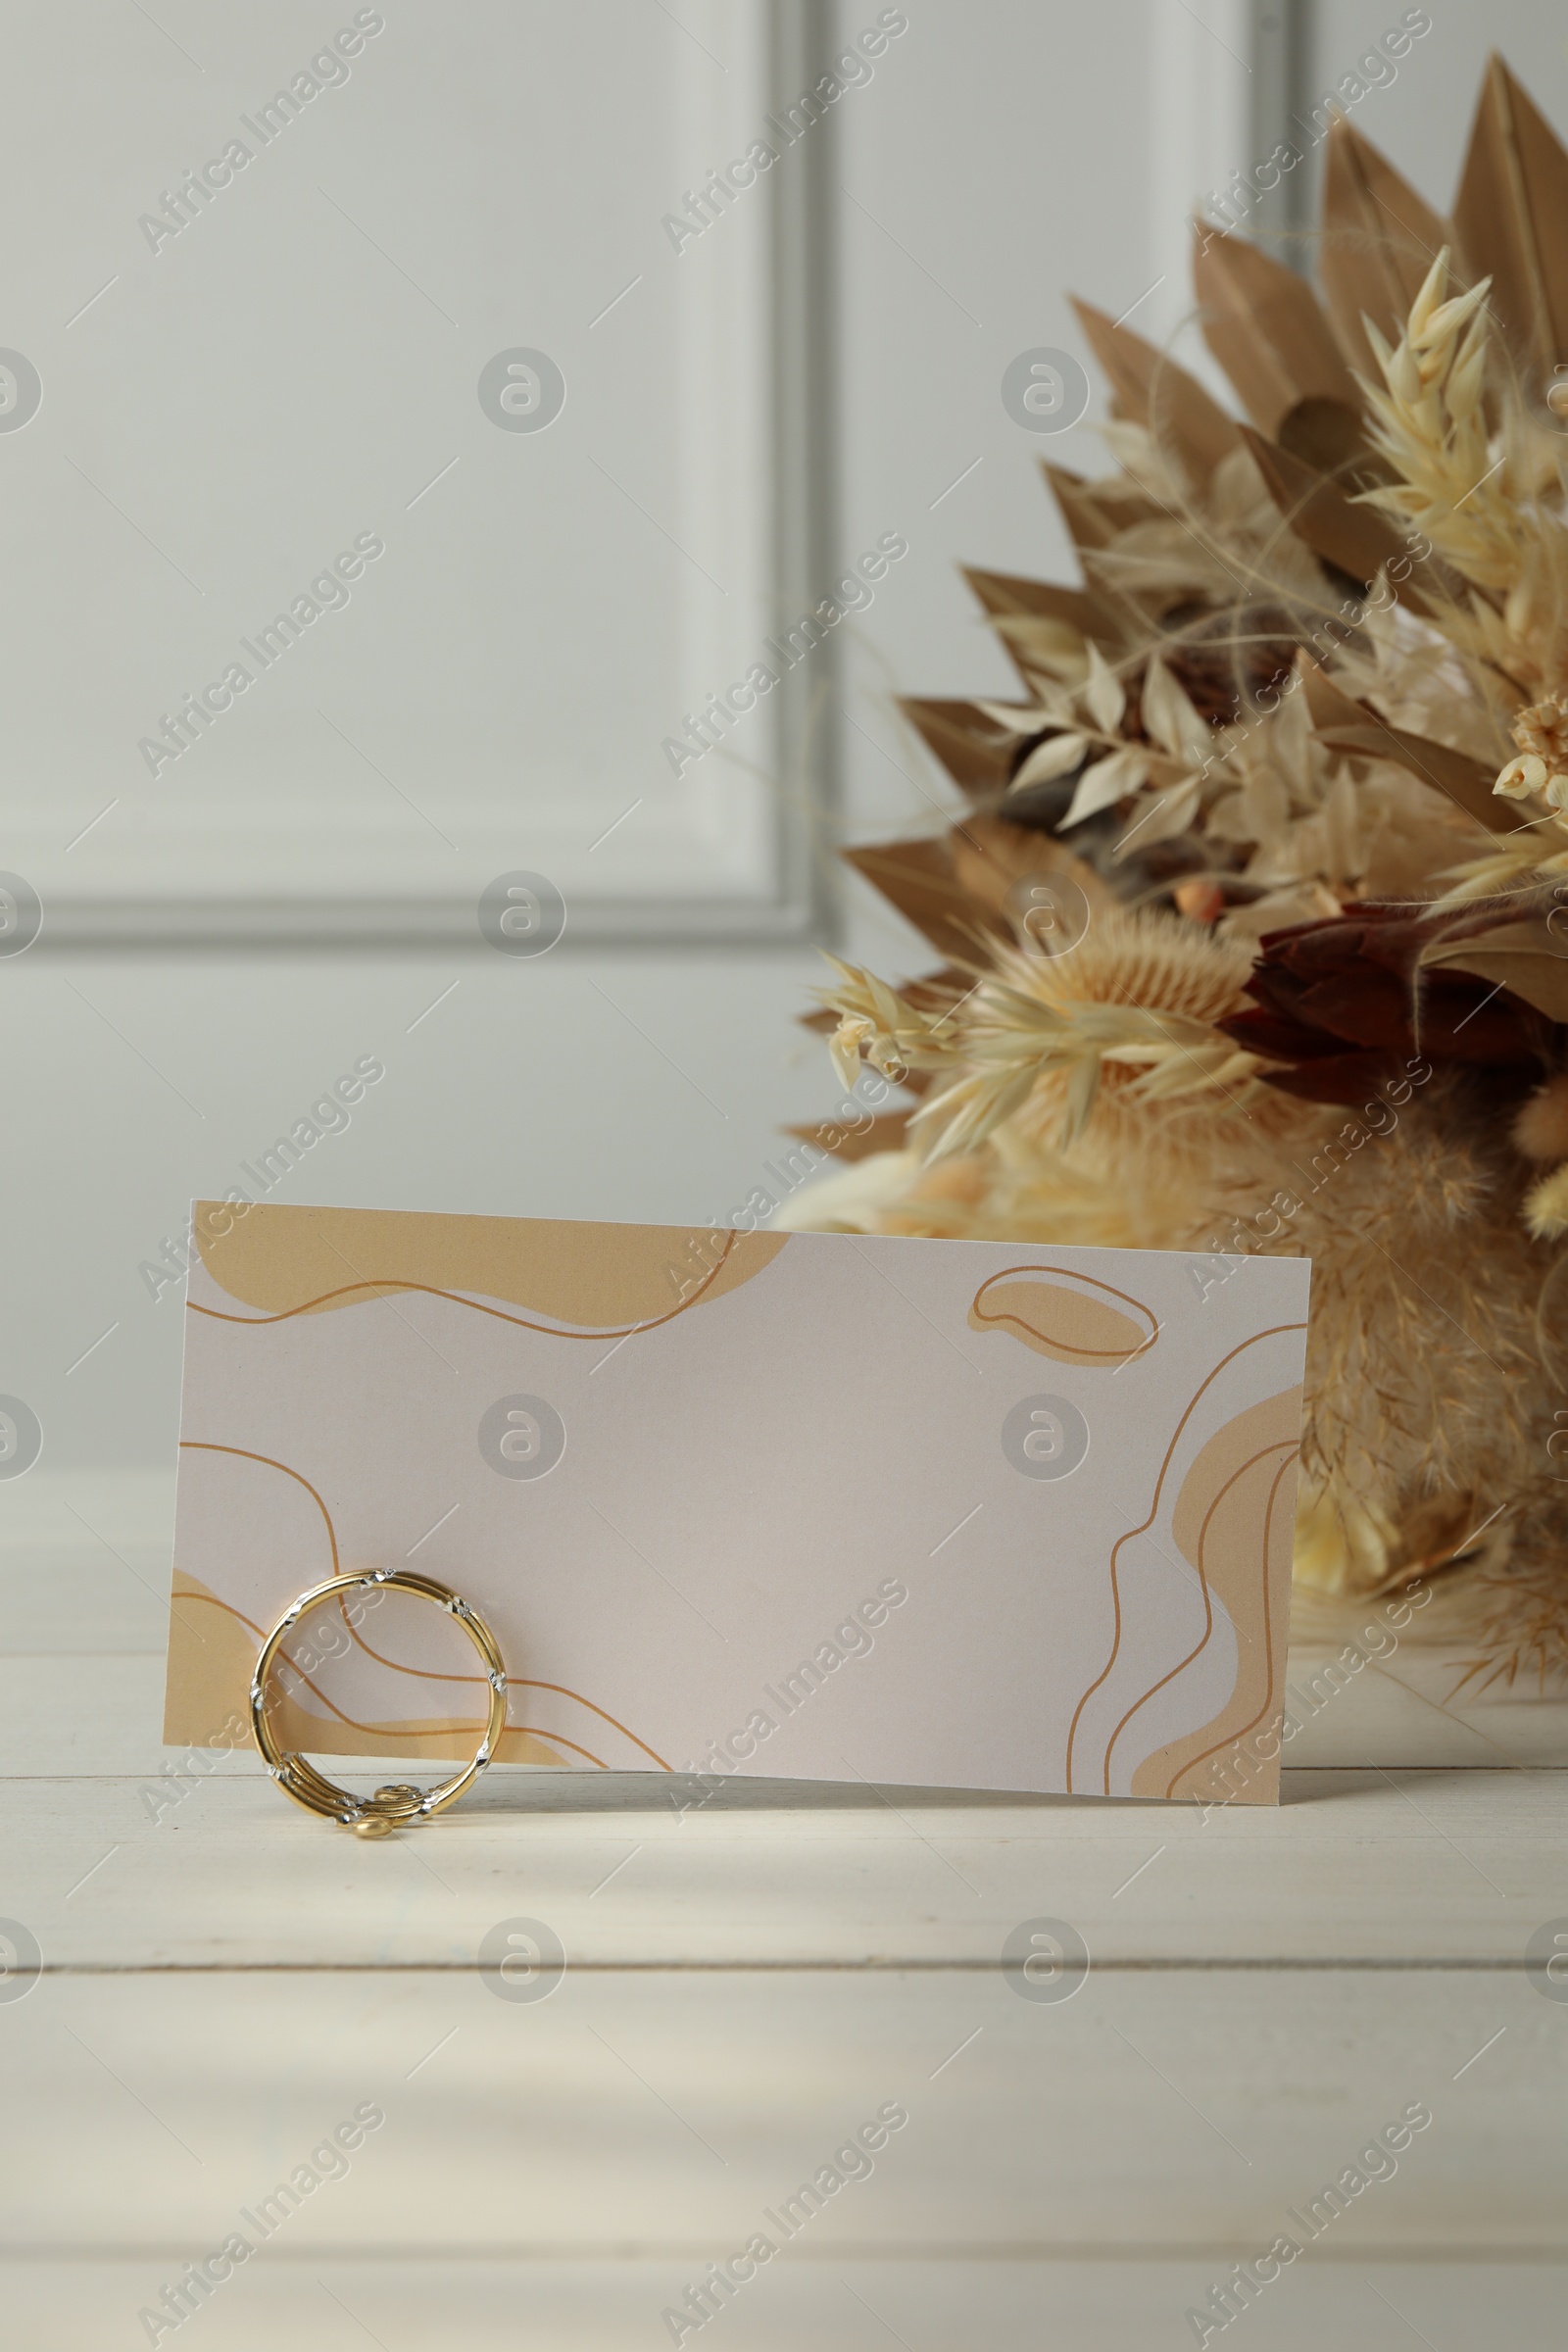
pixel 1430 424
pixel 1123 1026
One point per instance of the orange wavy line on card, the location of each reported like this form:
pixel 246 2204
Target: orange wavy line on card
pixel 389 1730
pixel 520 1682
pixel 1268 1648
pixel 201 1446
pixel 1273 1332
pixel 1290 1447
pixel 383 1284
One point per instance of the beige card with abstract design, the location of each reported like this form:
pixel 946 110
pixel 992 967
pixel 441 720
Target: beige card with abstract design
pixel 811 1506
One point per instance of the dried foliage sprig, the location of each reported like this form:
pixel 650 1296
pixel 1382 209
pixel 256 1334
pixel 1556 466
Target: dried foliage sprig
pixel 1033 1031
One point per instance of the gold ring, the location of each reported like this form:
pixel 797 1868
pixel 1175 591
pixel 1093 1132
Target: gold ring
pixel 398 1804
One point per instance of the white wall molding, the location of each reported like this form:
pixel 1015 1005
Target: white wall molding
pixel 403 754
pixel 1226 78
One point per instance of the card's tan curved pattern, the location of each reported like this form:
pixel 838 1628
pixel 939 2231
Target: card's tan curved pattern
pixel 1245 1501
pixel 1261 1678
pixel 1227 1523
pixel 592 1281
pixel 209 1672
pixel 211 1656
pixel 201 1678
pixel 1064 1316
pixel 441 1739
pixel 1121 1628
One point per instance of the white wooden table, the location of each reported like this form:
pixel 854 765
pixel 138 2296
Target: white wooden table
pixel 226 1980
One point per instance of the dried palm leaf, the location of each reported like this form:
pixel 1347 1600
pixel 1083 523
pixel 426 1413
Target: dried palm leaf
pixel 1155 392
pixel 965 741
pixel 1378 241
pixel 1511 221
pixel 1264 325
pixel 1359 544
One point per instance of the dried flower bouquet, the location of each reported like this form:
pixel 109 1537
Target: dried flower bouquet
pixel 1254 934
